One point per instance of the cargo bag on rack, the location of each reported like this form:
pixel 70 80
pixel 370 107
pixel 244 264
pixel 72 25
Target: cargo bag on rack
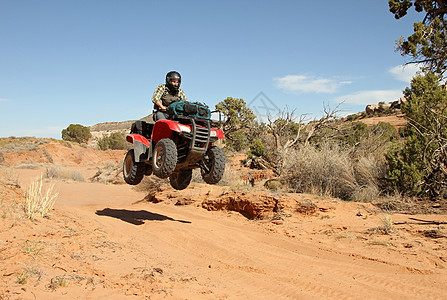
pixel 189 109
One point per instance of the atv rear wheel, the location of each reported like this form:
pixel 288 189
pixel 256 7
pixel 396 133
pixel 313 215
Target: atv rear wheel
pixel 164 158
pixel 213 167
pixel 180 180
pixel 133 172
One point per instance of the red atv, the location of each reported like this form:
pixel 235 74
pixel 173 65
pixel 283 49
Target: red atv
pixel 172 148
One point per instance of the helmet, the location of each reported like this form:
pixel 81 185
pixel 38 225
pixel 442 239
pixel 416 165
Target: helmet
pixel 173 75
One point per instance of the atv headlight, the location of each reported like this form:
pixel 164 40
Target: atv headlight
pixel 184 128
pixel 213 133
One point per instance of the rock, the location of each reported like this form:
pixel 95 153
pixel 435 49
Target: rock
pixel 371 108
pixel 278 222
pixel 250 205
pixel 185 201
pixel 384 106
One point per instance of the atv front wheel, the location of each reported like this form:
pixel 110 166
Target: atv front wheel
pixel 180 180
pixel 133 172
pixel 213 165
pixel 164 158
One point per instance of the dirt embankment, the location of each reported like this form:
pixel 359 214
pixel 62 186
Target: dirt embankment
pixel 206 242
pixel 397 121
pixel 43 151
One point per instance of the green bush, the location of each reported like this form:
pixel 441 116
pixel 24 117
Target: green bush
pixel 387 131
pixel 238 141
pixel 257 148
pixel 353 117
pixel 76 133
pixel 115 141
pixel 405 172
pixel 417 164
pixel 354 132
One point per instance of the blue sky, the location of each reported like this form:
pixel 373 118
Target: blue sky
pixel 91 61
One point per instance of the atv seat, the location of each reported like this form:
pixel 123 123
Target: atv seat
pixel 143 128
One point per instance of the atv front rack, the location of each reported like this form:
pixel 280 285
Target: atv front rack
pixel 199 139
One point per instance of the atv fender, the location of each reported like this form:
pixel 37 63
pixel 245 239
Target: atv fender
pixel 142 147
pixel 163 129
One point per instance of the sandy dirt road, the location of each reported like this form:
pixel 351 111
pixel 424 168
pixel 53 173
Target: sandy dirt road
pixel 223 255
pixel 105 241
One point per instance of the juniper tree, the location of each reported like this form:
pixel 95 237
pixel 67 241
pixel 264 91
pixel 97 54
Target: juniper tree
pixel 419 165
pixel 428 44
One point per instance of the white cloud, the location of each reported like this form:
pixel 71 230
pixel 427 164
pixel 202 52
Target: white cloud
pixel 405 72
pixel 3 100
pixel 370 97
pixel 302 83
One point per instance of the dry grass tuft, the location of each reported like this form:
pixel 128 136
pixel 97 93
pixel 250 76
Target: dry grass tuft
pixel 344 235
pixel 34 249
pixel 61 173
pixel 366 193
pixel 9 178
pixel 59 281
pixel 387 226
pixel 111 173
pixel 327 171
pixel 230 177
pixel 330 170
pixel 307 207
pixel 38 201
pixel 22 277
pixel 398 203
pixel 29 166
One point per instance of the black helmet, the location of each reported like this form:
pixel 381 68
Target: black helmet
pixel 173 75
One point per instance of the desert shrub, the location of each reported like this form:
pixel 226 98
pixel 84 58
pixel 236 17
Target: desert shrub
pixel 354 132
pixel 76 133
pixel 115 141
pixel 353 117
pixel 257 148
pixel 2 158
pixel 9 177
pixel 417 164
pixel 38 201
pixel 30 166
pixel 230 177
pixel 329 170
pixel 350 133
pixel 370 171
pixel 61 173
pixel 387 226
pixel 325 171
pixel 376 142
pixel 366 193
pixel 48 156
pixel 238 141
pixel 363 141
pixel 387 131
pixel 110 173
